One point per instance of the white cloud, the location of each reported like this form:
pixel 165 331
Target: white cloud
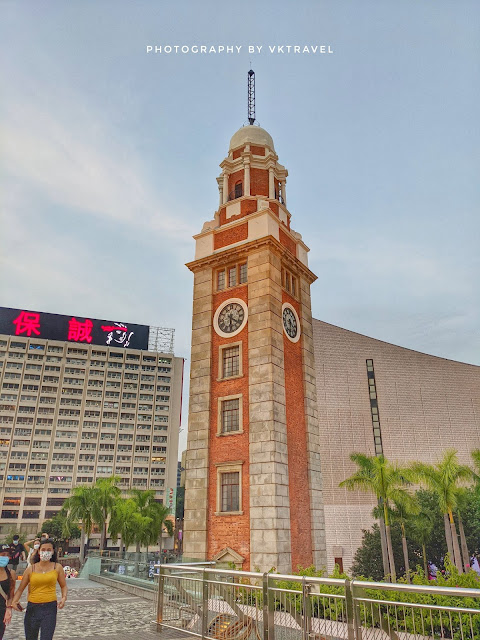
pixel 71 156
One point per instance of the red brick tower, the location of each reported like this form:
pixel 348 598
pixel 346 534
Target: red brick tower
pixel 253 478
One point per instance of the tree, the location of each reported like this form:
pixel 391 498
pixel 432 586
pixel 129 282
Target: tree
pixel 387 482
pixel 445 478
pixel 158 513
pixel 61 528
pixel 107 493
pixel 404 507
pixel 367 561
pixel 84 504
pixel 420 529
pixel 125 522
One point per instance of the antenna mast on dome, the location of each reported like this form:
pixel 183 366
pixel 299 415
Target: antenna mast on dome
pixel 251 96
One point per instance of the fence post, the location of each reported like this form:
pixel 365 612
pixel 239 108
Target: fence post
pixel 270 622
pixel 306 609
pixel 265 607
pixel 161 581
pixel 204 603
pixel 350 608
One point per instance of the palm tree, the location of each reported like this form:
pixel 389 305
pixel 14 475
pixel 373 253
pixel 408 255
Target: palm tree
pixel 108 492
pixel 420 528
pixel 445 479
pixel 378 476
pixel 404 507
pixel 125 522
pixel 462 502
pixel 84 505
pixel 148 507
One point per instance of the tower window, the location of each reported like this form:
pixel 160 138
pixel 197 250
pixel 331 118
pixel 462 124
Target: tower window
pixel 230 362
pixel 290 282
pixel 242 270
pixel 230 415
pixel 231 276
pixel 238 190
pixel 230 491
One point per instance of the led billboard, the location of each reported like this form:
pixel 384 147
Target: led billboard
pixel 52 326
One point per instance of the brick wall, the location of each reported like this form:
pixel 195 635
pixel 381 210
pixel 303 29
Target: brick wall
pixel 287 242
pixel 259 182
pixel 230 236
pixel 224 530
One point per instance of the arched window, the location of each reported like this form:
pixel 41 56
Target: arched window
pixel 238 190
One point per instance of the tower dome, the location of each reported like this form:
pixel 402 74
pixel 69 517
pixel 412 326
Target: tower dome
pixel 251 134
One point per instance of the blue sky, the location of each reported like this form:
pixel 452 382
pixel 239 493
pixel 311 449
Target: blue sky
pixel 109 156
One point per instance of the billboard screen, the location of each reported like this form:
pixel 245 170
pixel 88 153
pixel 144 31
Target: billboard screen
pixel 52 326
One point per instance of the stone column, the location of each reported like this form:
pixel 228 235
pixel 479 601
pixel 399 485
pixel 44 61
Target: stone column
pixel 284 192
pixel 220 190
pixel 269 489
pixel 271 184
pixel 196 473
pixel 314 444
pixel 246 181
pixel 225 187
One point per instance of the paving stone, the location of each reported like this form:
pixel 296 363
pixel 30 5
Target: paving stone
pixel 94 611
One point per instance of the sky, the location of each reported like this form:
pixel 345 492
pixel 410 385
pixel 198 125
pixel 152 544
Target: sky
pixel 109 156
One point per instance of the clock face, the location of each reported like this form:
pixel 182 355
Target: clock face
pixel 291 322
pixel 231 317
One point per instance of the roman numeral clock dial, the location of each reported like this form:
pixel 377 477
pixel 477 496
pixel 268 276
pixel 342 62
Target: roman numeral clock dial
pixel 230 318
pixel 291 322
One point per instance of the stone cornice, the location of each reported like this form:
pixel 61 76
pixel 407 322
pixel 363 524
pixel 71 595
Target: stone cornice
pixel 240 252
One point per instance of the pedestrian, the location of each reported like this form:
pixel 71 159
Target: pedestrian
pixel 32 550
pixel 7 588
pixel 475 564
pixel 17 552
pixel 42 577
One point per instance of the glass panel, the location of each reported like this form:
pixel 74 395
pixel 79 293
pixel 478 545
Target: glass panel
pixel 230 415
pixel 230 491
pixel 231 362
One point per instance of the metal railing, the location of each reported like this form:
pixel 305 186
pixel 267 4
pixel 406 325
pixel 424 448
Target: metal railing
pixel 237 605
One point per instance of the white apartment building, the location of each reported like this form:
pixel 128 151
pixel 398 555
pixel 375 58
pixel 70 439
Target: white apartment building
pixel 72 412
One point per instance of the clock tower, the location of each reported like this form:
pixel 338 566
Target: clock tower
pixel 253 492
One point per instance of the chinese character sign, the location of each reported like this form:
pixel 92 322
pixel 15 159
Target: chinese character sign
pixel 50 326
pixel 80 331
pixel 27 323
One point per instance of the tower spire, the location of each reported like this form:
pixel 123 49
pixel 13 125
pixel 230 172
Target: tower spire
pixel 251 96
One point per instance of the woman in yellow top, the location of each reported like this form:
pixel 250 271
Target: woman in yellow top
pixel 42 577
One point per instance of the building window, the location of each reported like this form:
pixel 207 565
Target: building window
pixel 372 392
pixel 238 190
pixel 230 361
pixel 229 488
pixel 289 282
pixel 231 276
pixel 230 413
pixel 242 273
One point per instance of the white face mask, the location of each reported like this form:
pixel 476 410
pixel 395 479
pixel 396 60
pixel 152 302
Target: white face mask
pixel 46 555
pixel 35 546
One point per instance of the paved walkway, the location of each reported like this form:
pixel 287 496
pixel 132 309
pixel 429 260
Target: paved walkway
pixel 94 611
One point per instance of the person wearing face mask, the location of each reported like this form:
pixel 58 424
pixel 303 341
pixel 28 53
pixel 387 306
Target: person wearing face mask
pixel 42 577
pixel 17 553
pixel 7 588
pixel 32 550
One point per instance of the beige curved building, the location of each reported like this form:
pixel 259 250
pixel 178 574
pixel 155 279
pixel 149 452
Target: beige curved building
pixel 424 405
